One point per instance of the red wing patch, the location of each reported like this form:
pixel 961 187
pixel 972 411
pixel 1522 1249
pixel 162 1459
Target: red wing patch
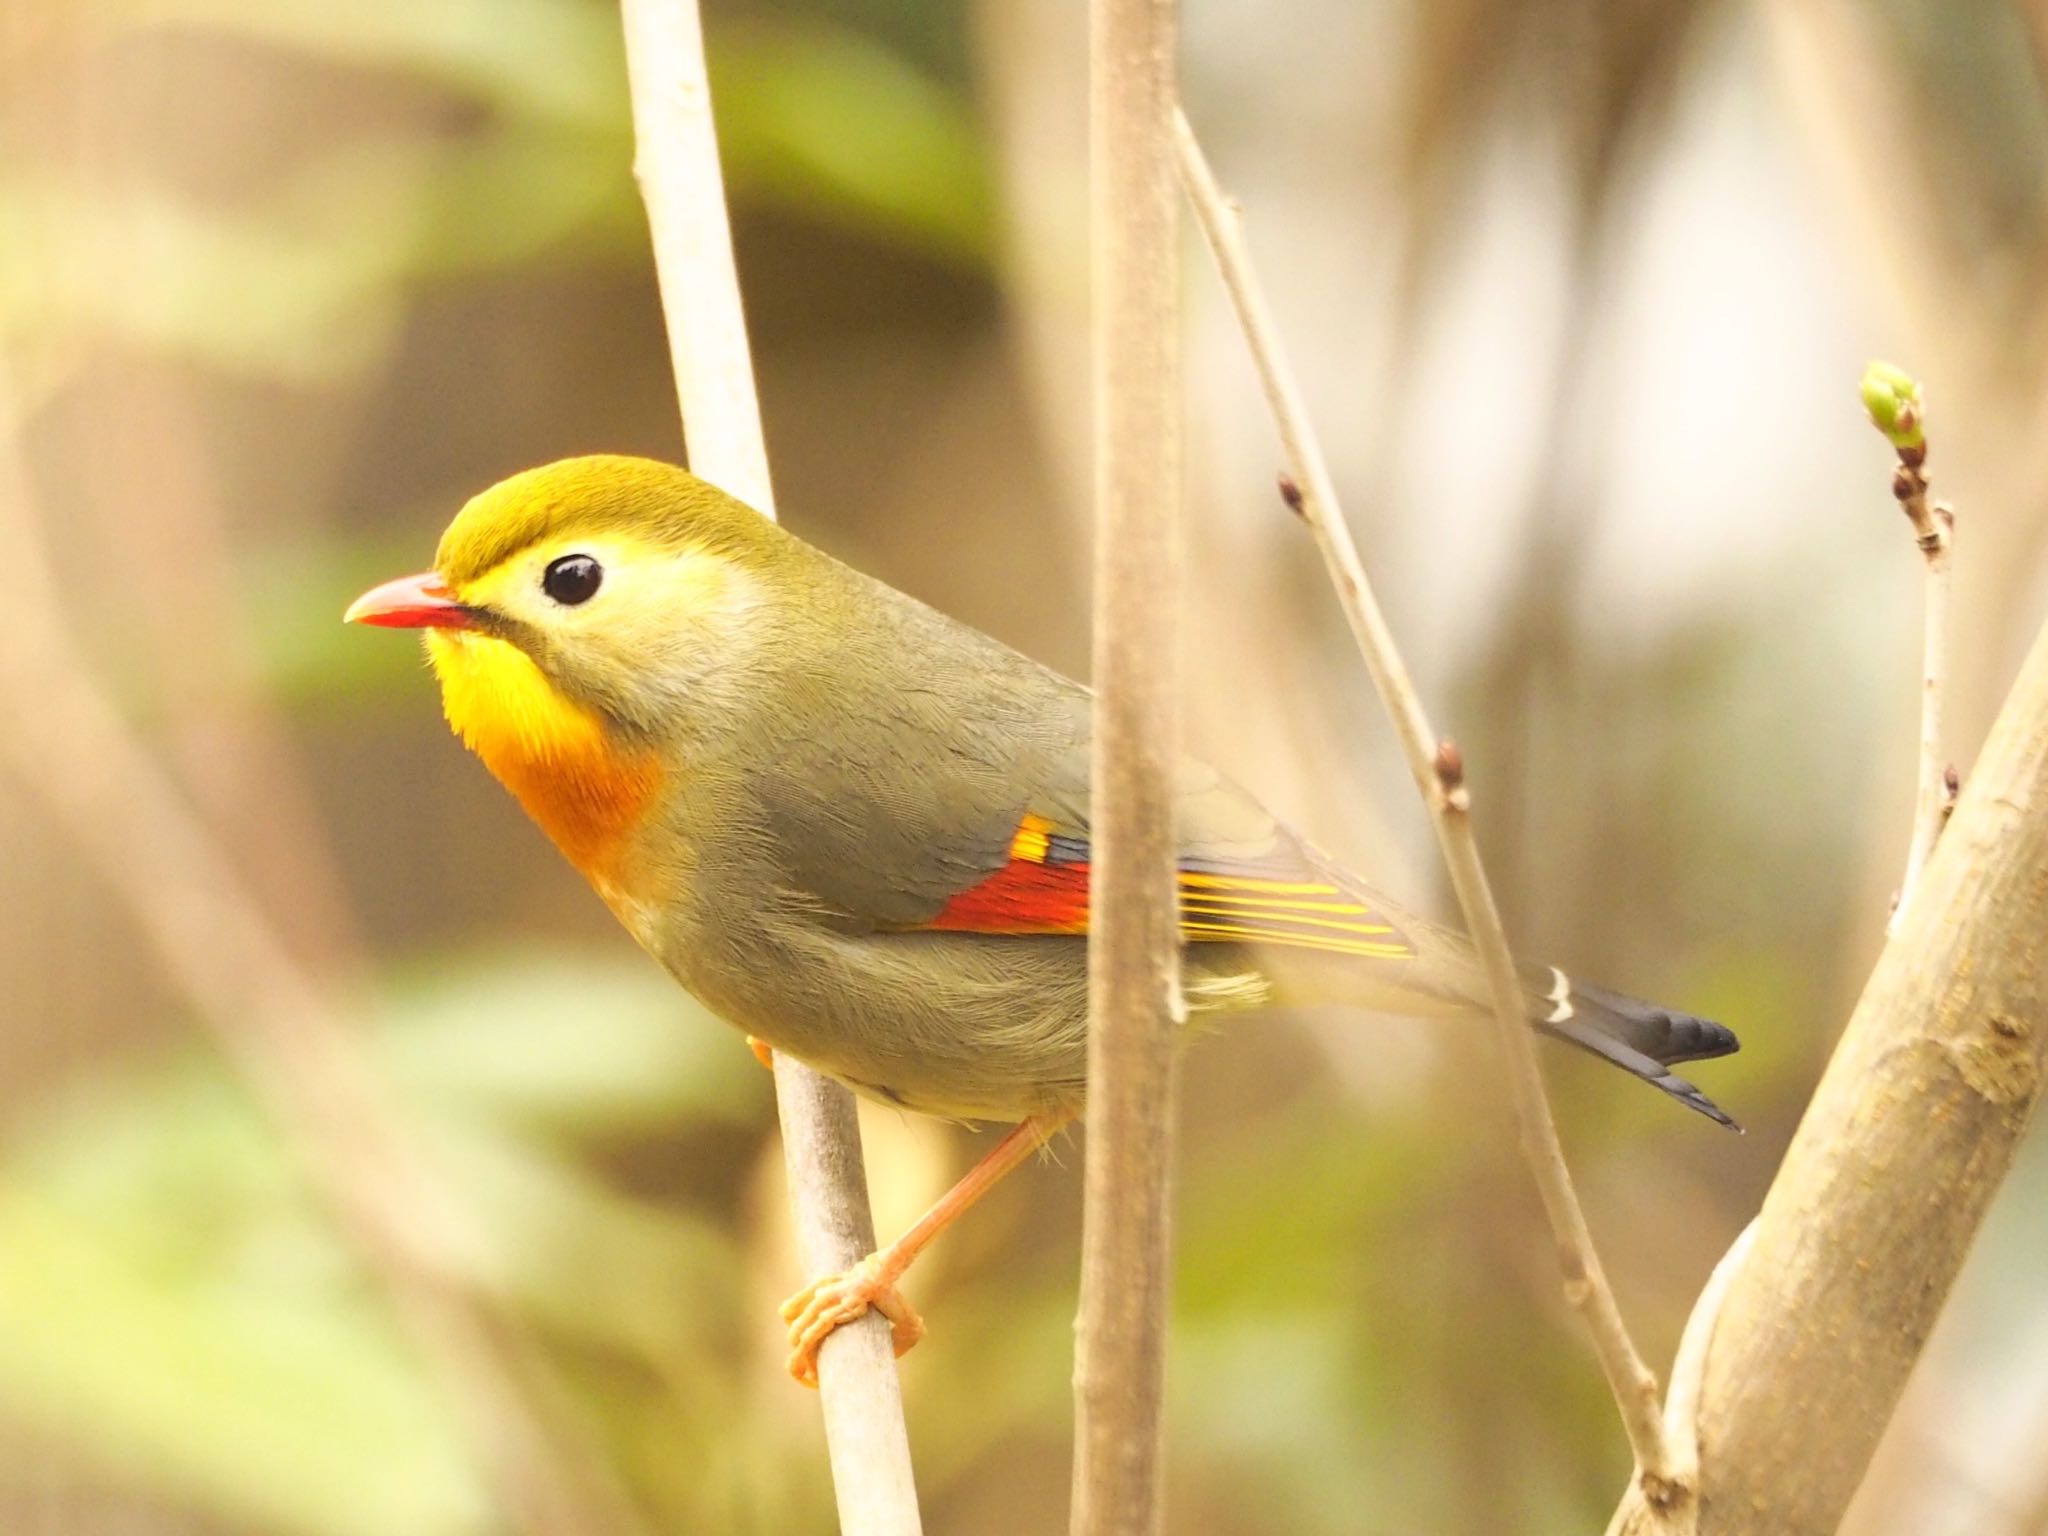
pixel 1043 889
pixel 1039 891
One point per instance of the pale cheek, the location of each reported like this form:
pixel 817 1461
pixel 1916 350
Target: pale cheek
pixel 651 662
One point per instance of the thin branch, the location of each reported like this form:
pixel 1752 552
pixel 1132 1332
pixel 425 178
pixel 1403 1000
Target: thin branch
pixel 675 160
pixel 677 165
pixel 1135 1009
pixel 272 1020
pixel 1893 401
pixel 1439 775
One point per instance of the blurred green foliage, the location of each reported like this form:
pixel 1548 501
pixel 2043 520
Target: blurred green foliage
pixel 311 279
pixel 1367 1334
pixel 175 1301
pixel 175 1292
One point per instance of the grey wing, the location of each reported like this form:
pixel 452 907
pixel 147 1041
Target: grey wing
pixel 918 792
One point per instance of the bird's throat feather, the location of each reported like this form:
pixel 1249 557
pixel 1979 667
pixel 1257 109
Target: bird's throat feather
pixel 557 757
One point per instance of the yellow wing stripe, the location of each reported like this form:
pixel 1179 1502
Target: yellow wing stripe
pixel 1307 914
pixel 1363 947
pixel 1285 919
pixel 1200 882
pixel 1281 903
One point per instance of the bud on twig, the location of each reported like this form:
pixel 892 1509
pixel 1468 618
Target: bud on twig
pixel 1892 397
pixel 1290 492
pixel 1450 775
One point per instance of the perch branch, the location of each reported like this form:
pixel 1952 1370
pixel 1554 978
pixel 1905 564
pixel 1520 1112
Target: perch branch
pixel 1135 1005
pixel 1893 400
pixel 676 162
pixel 71 748
pixel 1439 775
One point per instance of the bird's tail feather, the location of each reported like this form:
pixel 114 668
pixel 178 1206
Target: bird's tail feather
pixel 1637 1037
pixel 1445 978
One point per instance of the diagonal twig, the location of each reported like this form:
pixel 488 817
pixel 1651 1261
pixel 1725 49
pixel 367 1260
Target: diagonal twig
pixel 1439 774
pixel 676 161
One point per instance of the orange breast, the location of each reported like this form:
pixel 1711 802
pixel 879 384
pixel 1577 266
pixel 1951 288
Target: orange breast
pixel 590 806
pixel 559 759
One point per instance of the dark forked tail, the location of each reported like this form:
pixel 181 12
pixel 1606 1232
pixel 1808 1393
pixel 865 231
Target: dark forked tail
pixel 1370 955
pixel 1637 1037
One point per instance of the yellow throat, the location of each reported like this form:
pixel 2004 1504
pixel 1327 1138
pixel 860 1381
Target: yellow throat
pixel 555 755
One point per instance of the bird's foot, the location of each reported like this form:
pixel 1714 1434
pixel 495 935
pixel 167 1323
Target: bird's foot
pixel 835 1300
pixel 764 1053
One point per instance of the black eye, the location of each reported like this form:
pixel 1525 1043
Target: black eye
pixel 572 579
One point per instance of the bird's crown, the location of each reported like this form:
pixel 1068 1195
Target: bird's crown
pixel 597 493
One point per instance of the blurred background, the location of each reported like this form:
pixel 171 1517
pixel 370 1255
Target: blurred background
pixel 359 1177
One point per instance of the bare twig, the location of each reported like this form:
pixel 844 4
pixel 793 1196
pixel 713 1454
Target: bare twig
pixel 677 166
pixel 1439 774
pixel 1893 400
pixel 1134 938
pixel 71 748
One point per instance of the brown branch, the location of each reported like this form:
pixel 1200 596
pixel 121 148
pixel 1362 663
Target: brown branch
pixel 70 747
pixel 1907 1139
pixel 1135 1008
pixel 1439 775
pixel 677 165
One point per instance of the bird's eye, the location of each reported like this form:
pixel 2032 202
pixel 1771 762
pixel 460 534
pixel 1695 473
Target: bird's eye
pixel 572 579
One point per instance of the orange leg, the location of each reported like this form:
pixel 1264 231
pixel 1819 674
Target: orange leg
pixel 764 1053
pixel 827 1303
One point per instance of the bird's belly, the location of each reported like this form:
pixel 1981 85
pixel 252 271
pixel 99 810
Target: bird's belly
pixel 960 1026
pixel 967 1026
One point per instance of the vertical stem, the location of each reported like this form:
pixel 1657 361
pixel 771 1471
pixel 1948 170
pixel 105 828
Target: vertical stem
pixel 677 165
pixel 675 160
pixel 1134 982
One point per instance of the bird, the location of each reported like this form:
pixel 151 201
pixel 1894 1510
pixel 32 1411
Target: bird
pixel 859 830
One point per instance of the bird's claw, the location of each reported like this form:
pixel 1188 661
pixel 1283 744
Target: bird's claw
pixel 835 1300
